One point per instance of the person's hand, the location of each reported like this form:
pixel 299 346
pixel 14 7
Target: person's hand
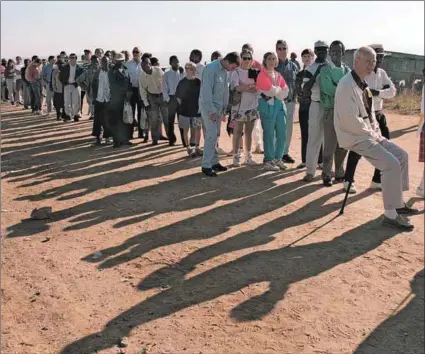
pixel 223 118
pixel 213 117
pixel 252 89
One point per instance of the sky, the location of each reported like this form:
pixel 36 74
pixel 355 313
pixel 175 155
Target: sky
pixel 176 27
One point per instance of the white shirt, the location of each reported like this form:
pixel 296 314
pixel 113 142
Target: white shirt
pixel 72 70
pixel 199 69
pixel 376 81
pixel 150 83
pixel 134 69
pixel 169 83
pixel 103 91
pixel 350 127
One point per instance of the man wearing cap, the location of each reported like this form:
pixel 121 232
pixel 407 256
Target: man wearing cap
pixel 358 131
pixel 315 125
pixel 289 70
pixel 134 68
pixel 381 87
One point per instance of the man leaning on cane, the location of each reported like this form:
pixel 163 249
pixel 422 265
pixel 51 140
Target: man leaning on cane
pixel 358 131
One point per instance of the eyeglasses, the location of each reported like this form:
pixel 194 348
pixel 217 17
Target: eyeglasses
pixel 280 49
pixel 246 58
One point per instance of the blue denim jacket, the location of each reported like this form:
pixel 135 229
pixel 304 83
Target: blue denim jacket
pixel 214 95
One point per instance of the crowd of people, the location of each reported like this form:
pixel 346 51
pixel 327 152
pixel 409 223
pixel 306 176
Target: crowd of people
pixel 340 109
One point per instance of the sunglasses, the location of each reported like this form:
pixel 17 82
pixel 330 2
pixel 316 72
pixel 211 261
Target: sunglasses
pixel 282 49
pixel 246 58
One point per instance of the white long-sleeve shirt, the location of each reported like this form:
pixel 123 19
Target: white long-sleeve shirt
pixel 350 126
pixel 134 69
pixel 150 83
pixel 169 83
pixel 377 81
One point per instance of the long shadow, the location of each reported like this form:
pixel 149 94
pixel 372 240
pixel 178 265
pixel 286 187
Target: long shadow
pixel 400 132
pixel 162 196
pixel 281 268
pixel 175 273
pixel 403 332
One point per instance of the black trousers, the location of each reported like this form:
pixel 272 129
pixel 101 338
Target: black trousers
pixel 352 161
pixel 136 101
pixel 303 119
pixel 99 120
pixel 83 94
pixel 382 120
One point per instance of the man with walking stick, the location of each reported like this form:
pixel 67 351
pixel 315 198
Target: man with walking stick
pixel 358 131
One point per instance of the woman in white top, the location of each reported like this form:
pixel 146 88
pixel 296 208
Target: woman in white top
pixel 273 90
pixel 244 113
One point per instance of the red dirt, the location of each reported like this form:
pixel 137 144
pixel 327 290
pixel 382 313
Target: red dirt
pixel 249 262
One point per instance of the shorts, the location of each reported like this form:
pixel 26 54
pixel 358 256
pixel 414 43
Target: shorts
pixel 189 122
pixel 245 116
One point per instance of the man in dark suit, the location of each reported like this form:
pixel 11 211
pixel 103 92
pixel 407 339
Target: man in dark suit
pixel 71 92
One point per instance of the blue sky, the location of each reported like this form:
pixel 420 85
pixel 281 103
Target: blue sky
pixel 165 28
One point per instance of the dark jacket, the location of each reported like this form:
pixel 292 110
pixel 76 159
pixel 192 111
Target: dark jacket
pixel 64 73
pixel 95 84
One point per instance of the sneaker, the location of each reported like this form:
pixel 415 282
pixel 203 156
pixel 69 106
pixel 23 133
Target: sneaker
pixel 308 178
pixel 209 172
pixel 249 161
pixel 407 210
pixel 353 189
pixel 258 150
pixel 109 141
pixel 279 163
pixel 191 152
pixel 399 223
pixel 97 142
pixel 220 168
pixel 301 165
pixel 338 180
pixel 420 192
pixel 288 159
pixel 374 185
pixel 220 151
pixel 38 113
pixel 199 151
pixel 236 160
pixel 270 166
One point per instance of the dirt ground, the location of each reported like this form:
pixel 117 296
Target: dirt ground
pixel 249 262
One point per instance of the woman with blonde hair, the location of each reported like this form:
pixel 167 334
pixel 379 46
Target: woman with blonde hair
pixel 273 90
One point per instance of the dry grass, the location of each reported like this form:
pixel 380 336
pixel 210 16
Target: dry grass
pixel 407 103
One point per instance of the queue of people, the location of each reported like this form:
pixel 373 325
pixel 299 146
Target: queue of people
pixel 340 110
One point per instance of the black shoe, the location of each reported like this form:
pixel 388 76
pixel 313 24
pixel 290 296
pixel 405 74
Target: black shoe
pixel 209 172
pixel 287 159
pixel 12 103
pixel 154 142
pixel 406 210
pixel 338 180
pixel 171 143
pixel 163 138
pixel 117 145
pixel 58 117
pixel 145 140
pixel 91 118
pixel 76 119
pixel 327 181
pixel 219 168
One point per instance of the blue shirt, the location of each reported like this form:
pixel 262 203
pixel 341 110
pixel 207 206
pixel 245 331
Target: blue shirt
pixel 214 95
pixel 289 70
pixel 46 73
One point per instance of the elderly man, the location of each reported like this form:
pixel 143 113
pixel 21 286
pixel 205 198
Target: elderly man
pixel 134 67
pixel 358 131
pixel 315 124
pixel 85 82
pixel 289 70
pixel 381 87
pixel 213 100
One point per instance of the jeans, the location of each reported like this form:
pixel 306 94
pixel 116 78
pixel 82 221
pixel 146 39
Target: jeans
pixel 273 121
pixel 212 132
pixel 36 94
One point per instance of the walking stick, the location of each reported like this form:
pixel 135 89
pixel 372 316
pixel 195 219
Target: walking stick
pixel 352 161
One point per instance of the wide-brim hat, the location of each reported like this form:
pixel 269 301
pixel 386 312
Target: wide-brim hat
pixel 379 49
pixel 119 57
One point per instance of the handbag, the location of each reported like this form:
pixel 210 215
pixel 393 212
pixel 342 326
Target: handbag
pixel 127 116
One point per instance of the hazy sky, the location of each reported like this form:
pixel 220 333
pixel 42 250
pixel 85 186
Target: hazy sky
pixel 165 28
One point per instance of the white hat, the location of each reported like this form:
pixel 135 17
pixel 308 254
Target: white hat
pixel 379 49
pixel 119 57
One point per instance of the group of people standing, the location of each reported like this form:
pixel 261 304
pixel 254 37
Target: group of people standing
pixel 125 93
